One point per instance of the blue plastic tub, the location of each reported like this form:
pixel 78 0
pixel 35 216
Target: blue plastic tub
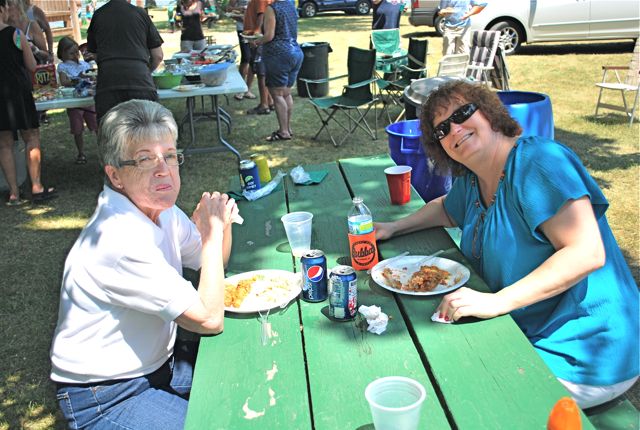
pixel 532 111
pixel 406 150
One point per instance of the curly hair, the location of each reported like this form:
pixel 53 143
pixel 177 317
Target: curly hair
pixel 462 92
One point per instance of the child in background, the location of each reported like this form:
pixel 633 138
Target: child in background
pixel 70 71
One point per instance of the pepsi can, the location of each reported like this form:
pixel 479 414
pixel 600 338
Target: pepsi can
pixel 249 176
pixel 343 293
pixel 314 276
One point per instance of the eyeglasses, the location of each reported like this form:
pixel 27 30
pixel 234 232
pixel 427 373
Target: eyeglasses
pixel 147 162
pixel 459 116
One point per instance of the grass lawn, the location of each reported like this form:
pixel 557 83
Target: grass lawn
pixel 36 239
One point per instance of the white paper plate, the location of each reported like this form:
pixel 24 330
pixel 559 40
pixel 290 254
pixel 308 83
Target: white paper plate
pixel 187 87
pixel 252 36
pixel 405 267
pixel 286 286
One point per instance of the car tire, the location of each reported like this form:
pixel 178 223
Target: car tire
pixel 363 7
pixel 511 34
pixel 438 24
pixel 308 10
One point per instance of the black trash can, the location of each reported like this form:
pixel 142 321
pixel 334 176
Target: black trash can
pixel 315 65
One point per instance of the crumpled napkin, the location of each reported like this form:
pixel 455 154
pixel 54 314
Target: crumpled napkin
pixel 376 319
pixel 301 177
pixel 436 318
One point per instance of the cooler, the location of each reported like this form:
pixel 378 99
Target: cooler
pixel 405 149
pixel 532 111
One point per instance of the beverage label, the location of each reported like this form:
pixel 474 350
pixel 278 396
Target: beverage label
pixel 363 250
pixel 360 225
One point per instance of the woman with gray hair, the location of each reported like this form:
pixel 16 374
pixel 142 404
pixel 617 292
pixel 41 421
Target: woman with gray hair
pixel 534 227
pixel 115 357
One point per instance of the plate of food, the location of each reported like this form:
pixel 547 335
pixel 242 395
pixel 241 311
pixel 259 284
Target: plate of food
pixel 420 275
pixel 252 36
pixel 90 73
pixel 260 290
pixel 187 87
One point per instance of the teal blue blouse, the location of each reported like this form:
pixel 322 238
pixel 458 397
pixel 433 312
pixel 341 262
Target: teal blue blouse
pixel 589 333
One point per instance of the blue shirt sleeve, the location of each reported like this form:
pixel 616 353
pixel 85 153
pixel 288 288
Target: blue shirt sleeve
pixel 550 174
pixel 455 203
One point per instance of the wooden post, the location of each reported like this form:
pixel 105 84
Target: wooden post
pixel 75 22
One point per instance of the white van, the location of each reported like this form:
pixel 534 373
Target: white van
pixel 529 21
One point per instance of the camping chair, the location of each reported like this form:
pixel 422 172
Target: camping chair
pixel 500 74
pixel 631 83
pixel 356 99
pixel 389 54
pixel 484 46
pixel 454 65
pixel 391 90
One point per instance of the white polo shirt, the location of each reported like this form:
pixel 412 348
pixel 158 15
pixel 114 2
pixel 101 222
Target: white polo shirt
pixel 122 288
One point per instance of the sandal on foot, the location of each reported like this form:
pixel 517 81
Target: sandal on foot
pixel 258 110
pixel 249 95
pixel 272 107
pixel 16 202
pixel 47 193
pixel 238 97
pixel 81 159
pixel 275 136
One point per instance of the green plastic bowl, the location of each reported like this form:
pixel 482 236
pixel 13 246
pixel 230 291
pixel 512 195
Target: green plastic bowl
pixel 167 80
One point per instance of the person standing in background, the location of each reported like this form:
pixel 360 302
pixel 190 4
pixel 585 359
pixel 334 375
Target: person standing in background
pixel 34 13
pixel 239 7
pixel 192 37
pixel 386 15
pixel 283 59
pixel 18 111
pixel 128 48
pixel 455 39
pixel 253 19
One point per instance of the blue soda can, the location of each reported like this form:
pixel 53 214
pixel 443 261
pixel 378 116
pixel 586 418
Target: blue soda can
pixel 250 178
pixel 314 276
pixel 343 293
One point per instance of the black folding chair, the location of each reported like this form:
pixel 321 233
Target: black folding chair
pixel 356 99
pixel 391 91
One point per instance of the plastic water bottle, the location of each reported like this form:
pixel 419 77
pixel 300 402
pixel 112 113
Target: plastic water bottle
pixel 359 219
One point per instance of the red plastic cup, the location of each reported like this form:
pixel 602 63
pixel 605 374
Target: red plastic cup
pixel 399 181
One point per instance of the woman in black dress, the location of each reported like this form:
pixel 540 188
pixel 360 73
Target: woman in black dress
pixel 192 37
pixel 18 110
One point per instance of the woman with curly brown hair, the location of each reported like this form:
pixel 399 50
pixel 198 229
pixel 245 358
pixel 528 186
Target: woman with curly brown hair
pixel 534 227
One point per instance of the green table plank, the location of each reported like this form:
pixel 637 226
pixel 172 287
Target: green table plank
pixel 487 371
pixel 235 374
pixel 342 357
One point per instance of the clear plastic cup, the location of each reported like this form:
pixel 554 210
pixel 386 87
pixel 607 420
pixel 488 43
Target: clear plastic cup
pixel 297 225
pixel 395 402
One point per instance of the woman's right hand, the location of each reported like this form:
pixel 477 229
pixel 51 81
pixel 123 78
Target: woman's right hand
pixel 384 230
pixel 213 214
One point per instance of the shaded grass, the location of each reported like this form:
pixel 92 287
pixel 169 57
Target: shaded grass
pixel 36 239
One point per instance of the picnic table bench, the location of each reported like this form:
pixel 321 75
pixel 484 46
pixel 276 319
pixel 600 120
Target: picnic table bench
pixel 312 371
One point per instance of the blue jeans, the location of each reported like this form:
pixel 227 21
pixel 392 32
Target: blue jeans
pixel 155 401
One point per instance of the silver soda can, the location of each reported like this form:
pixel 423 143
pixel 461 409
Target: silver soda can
pixel 343 293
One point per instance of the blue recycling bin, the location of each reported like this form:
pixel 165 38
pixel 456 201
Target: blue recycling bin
pixel 532 111
pixel 406 150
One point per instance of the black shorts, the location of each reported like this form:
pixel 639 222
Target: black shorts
pixel 256 61
pixel 245 49
pixel 105 100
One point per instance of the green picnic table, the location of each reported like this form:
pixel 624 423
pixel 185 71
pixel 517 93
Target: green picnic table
pixel 312 371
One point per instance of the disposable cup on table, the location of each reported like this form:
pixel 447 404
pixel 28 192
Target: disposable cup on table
pixel 297 225
pixel 395 402
pixel 399 182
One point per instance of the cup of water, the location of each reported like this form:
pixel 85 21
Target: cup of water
pixel 395 402
pixel 297 225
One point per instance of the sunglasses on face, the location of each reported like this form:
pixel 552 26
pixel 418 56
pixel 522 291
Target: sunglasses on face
pixel 459 116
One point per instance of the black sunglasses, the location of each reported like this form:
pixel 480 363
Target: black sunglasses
pixel 459 116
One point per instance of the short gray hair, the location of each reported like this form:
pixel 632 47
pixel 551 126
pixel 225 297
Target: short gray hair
pixel 129 124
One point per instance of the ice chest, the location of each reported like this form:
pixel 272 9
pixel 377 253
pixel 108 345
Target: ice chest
pixel 405 149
